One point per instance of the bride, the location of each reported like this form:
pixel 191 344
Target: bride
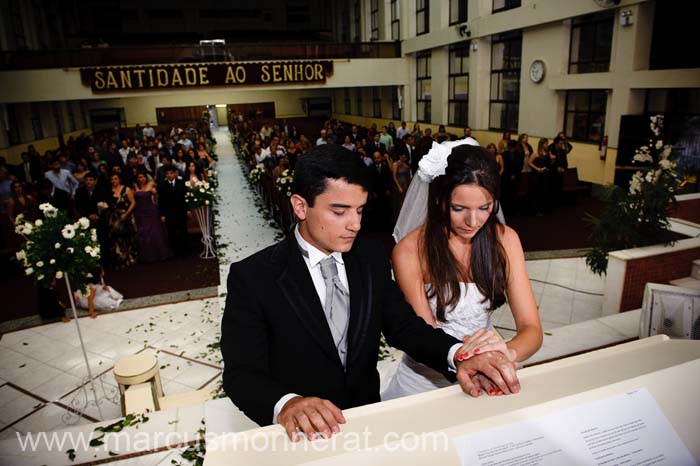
pixel 456 263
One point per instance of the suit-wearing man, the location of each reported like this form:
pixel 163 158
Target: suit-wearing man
pixel 302 324
pixel 86 199
pixel 171 204
pixel 29 171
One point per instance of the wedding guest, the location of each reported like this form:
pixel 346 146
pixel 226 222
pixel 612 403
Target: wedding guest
pixel 61 178
pixel 122 232
pixel 401 175
pixel 493 151
pixel 173 211
pixel 503 143
pixel 348 144
pixel 99 296
pixel 90 202
pixel 195 173
pixel 21 203
pixel 523 152
pixel 151 231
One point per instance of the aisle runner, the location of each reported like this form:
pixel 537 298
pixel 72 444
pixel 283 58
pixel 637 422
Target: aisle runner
pixel 241 226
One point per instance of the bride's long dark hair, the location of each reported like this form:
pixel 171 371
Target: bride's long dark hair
pixel 488 264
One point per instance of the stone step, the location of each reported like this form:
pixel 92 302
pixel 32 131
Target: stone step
pixel 695 269
pixel 687 282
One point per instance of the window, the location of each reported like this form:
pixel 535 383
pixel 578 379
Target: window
pixel 376 102
pixel 672 101
pixel 458 11
pixel 348 108
pixel 358 101
pixel 395 108
pixel 423 86
pixel 395 22
pixel 35 117
pixel 12 125
pixel 56 108
pixel 84 115
pixel 506 52
pixel 422 17
pixel 71 116
pixel 374 20
pixel 591 43
pixel 458 99
pixel 585 114
pixel 356 18
pixel 503 5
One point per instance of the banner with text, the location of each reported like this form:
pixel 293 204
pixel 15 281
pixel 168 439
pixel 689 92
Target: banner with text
pixel 123 78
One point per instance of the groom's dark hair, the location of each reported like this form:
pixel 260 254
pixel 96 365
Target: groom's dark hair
pixel 328 161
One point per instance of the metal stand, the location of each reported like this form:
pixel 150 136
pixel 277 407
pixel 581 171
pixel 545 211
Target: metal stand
pixel 203 216
pixel 81 401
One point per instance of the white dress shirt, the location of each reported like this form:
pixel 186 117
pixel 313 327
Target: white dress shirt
pixel 313 264
pixel 64 180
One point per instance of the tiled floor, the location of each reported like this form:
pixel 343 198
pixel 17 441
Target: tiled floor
pixel 40 367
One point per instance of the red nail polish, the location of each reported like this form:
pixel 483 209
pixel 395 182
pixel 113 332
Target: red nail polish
pixel 490 392
pixel 499 392
pixel 476 351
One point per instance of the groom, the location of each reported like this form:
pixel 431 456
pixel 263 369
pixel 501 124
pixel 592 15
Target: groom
pixel 301 329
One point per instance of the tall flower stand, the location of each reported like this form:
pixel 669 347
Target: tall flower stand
pixel 203 216
pixel 81 399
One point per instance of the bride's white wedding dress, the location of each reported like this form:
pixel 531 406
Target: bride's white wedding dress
pixel 468 316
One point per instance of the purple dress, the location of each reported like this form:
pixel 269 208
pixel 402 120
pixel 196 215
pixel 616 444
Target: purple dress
pixel 153 237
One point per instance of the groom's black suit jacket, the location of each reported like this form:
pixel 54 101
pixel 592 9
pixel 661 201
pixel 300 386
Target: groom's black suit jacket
pixel 275 338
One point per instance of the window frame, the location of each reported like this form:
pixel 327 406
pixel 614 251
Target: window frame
pixel 596 20
pixel 35 119
pixel 395 20
pixel 374 20
pixel 461 4
pixel 427 111
pixel 347 102
pixel 376 102
pixel 506 6
pixel 358 101
pixel 452 75
pixel 426 16
pixel 395 110
pixel 589 114
pixel 357 22
pixel 513 36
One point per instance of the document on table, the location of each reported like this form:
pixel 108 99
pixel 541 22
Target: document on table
pixel 626 429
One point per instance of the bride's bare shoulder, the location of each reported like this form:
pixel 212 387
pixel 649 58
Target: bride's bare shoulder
pixel 408 244
pixel 509 238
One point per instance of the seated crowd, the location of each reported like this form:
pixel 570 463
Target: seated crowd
pixel 129 184
pixel 392 154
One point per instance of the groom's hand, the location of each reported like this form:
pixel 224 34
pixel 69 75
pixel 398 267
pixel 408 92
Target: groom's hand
pixel 314 416
pixel 493 365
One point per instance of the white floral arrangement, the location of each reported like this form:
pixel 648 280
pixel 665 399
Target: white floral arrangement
pixel 256 175
pixel 213 177
pixel 637 216
pixel 56 246
pixel 285 182
pixel 655 151
pixel 199 194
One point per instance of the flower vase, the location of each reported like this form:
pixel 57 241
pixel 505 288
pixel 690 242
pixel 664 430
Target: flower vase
pixel 203 216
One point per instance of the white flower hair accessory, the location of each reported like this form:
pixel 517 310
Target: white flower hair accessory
pixel 434 162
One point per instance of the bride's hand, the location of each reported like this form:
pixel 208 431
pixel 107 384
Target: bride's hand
pixel 483 341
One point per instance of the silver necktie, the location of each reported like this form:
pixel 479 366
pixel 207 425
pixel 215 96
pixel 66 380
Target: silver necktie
pixel 337 306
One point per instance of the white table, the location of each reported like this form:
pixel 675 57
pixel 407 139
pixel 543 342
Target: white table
pixel 669 369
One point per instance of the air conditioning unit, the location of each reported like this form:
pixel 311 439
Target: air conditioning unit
pixel 670 310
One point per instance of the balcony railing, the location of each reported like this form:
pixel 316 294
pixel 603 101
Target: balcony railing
pixel 112 56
